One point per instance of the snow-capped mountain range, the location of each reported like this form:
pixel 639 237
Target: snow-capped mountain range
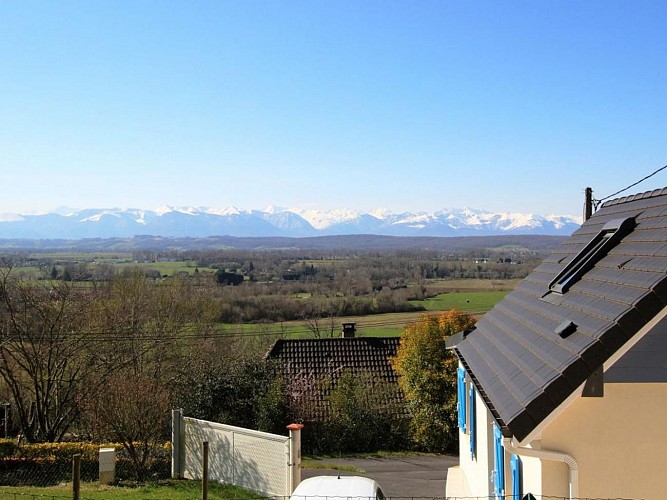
pixel 66 223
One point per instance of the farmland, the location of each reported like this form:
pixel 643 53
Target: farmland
pixel 305 293
pixel 474 302
pixel 474 296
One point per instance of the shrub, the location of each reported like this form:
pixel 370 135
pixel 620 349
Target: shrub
pixel 427 375
pixel 45 464
pixel 365 414
pixel 7 447
pixel 359 414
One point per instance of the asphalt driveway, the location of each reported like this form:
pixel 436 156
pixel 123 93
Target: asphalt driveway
pixel 400 476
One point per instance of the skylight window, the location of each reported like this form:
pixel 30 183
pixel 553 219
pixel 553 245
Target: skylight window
pixel 612 232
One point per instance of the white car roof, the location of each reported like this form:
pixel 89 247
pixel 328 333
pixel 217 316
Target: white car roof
pixel 335 488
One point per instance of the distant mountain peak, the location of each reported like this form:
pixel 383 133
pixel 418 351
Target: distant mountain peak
pixel 192 221
pixel 321 219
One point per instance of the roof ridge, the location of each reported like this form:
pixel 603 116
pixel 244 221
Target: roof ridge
pixel 633 197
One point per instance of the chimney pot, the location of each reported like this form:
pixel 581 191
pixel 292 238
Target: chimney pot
pixel 348 330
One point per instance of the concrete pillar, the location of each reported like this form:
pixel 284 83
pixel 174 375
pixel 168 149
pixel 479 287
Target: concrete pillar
pixel 107 465
pixel 295 454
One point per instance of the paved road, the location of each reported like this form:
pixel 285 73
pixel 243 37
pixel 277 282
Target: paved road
pixel 400 476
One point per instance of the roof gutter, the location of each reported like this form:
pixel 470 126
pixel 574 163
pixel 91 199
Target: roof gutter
pixel 555 456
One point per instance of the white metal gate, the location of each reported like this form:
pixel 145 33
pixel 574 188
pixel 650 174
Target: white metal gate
pixel 254 460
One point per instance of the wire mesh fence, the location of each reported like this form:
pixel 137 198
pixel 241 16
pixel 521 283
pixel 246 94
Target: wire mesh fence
pixel 51 464
pixel 9 495
pixel 171 490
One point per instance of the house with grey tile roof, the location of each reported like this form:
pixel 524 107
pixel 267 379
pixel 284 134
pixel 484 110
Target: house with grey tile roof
pixel 563 385
pixel 312 367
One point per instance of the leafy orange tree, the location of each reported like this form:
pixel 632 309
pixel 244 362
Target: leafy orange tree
pixel 427 376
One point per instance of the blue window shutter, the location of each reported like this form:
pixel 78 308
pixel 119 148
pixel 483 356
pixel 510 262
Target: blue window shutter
pixel 473 414
pixel 499 462
pixel 515 467
pixel 462 398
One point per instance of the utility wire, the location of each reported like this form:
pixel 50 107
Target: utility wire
pixel 597 202
pixel 228 331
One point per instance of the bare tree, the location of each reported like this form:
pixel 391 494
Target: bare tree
pixel 59 343
pixel 321 324
pixel 146 323
pixel 131 409
pixel 46 354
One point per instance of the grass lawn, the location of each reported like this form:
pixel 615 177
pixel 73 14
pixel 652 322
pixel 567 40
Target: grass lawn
pixel 320 464
pixel 470 285
pixel 470 302
pixel 167 490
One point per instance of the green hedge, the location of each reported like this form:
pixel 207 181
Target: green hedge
pixel 66 450
pixel 45 464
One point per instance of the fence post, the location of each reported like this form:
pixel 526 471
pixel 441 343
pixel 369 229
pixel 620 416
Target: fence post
pixel 76 477
pixel 294 455
pixel 204 472
pixel 176 423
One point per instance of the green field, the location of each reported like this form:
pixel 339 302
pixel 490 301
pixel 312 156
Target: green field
pixel 170 490
pixel 474 302
pixel 376 325
pixel 436 286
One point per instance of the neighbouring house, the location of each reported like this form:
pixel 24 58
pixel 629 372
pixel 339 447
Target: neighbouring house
pixel 312 367
pixel 563 385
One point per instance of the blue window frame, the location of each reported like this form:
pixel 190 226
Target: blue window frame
pixel 498 463
pixel 462 398
pixel 472 423
pixel 515 467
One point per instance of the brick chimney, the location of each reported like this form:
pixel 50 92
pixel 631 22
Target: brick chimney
pixel 348 330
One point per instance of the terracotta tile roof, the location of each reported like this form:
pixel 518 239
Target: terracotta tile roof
pixel 522 367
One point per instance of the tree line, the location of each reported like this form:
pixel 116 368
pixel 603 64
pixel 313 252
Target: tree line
pixel 284 285
pixel 106 363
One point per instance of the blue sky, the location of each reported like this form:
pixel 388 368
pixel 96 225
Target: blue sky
pixel 406 105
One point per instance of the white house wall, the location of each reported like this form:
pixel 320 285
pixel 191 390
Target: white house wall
pixel 477 471
pixel 531 475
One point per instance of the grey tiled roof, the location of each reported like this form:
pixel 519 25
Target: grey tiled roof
pixel 521 366
pixel 312 367
pixel 321 357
